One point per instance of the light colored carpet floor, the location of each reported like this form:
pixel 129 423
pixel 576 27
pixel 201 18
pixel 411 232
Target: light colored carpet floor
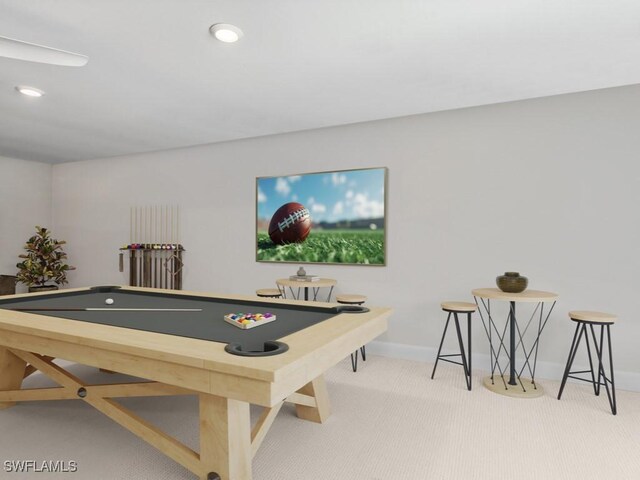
pixel 389 421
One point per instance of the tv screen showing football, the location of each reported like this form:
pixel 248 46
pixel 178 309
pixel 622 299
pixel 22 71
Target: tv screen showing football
pixel 327 217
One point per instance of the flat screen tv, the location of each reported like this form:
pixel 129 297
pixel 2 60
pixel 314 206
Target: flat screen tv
pixel 327 217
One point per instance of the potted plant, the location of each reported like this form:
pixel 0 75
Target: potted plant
pixel 43 262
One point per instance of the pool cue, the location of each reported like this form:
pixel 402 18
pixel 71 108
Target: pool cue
pixel 73 309
pixel 121 260
pixel 154 282
pixel 164 246
pixel 177 264
pixel 160 247
pixel 168 253
pixel 180 250
pixel 135 250
pixel 168 256
pixel 164 253
pixel 158 254
pixel 147 251
pixel 174 262
pixel 145 278
pixel 150 246
pixel 128 246
pixel 171 246
pixel 143 214
pixel 132 252
pixel 121 256
pixel 139 252
pixel 132 263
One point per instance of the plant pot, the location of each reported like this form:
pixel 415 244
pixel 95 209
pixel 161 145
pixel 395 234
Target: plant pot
pixel 42 288
pixel 7 284
pixel 512 282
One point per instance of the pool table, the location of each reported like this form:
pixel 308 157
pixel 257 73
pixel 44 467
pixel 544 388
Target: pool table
pixel 179 342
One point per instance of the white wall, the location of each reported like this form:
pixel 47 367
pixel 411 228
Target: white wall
pixel 25 201
pixel 548 187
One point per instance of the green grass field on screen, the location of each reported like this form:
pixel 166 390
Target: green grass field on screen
pixel 327 246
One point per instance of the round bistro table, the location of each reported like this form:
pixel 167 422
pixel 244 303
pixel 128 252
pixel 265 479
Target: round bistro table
pixel 516 386
pixel 315 286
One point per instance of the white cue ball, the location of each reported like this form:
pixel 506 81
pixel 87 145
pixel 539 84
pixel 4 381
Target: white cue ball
pixel 109 301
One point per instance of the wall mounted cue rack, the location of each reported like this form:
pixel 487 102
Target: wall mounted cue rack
pixel 156 261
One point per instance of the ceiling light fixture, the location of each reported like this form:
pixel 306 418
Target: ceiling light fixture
pixel 225 32
pixel 29 91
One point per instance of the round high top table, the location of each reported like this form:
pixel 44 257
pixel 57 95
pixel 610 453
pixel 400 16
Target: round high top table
pixel 516 386
pixel 315 286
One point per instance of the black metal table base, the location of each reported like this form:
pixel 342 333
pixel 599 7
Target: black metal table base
pixel 296 295
pixel 523 389
pixel 515 341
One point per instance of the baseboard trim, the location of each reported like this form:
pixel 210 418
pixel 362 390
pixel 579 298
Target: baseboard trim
pixel 624 380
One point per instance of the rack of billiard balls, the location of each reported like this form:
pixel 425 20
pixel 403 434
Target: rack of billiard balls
pixel 153 246
pixel 249 320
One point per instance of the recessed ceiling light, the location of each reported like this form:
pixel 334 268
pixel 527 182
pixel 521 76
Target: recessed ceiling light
pixel 225 32
pixel 29 91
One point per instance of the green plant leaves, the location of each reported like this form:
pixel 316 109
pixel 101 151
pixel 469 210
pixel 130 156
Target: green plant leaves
pixel 43 261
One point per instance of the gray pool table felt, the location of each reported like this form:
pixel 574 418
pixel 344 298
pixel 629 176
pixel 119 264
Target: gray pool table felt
pixel 208 324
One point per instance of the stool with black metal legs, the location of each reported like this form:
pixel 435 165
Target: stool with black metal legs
pixel 354 300
pixel 583 320
pixel 455 308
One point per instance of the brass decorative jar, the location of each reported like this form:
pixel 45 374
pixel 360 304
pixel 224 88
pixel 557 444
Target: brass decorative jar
pixel 512 282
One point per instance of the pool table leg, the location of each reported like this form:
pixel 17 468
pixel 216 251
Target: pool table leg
pixel 225 438
pixel 12 371
pixel 317 388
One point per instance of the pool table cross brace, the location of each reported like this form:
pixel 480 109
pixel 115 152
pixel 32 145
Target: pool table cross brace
pixel 31 369
pixel 224 422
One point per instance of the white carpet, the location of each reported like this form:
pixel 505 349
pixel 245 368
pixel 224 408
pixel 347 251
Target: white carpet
pixel 389 421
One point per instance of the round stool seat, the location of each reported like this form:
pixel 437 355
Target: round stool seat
pixel 592 317
pixel 464 307
pixel 269 292
pixel 351 299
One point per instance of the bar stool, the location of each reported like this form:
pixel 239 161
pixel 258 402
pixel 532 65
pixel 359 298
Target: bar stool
pixel 455 308
pixel 582 319
pixel 269 293
pixel 354 300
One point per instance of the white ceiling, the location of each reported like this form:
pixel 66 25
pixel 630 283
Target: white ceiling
pixel 157 80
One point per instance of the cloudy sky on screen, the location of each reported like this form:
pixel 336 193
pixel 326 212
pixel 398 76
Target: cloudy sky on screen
pixel 330 197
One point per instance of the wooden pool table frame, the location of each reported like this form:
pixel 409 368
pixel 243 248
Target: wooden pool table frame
pixel 226 384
